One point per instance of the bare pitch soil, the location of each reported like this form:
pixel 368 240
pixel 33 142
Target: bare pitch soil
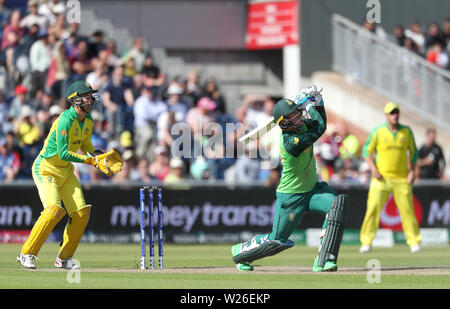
pixel 271 270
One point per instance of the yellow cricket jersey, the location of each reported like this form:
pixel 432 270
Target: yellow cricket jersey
pixel 392 150
pixel 66 137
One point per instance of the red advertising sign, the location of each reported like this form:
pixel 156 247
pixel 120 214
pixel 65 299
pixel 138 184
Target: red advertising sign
pixel 272 24
pixel 390 216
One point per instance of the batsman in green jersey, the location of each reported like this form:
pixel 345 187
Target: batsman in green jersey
pixel 303 121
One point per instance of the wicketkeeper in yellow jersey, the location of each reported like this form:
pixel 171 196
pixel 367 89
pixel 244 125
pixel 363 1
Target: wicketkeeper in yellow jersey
pixel 391 153
pixel 54 176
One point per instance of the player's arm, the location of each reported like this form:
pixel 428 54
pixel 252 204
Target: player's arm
pixel 413 155
pixel 295 143
pixel 62 142
pixel 369 154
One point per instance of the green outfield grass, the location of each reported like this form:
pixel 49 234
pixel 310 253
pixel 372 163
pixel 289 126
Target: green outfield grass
pixel 210 267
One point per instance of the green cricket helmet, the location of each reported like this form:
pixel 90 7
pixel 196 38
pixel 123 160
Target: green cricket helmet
pixel 282 109
pixel 78 88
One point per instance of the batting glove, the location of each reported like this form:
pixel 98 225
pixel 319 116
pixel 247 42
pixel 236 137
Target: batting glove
pixel 311 93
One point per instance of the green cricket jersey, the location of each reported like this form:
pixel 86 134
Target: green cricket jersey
pixel 297 156
pixel 68 135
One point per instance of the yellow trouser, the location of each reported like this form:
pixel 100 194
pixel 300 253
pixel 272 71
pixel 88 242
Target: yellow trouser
pixel 55 184
pixel 379 192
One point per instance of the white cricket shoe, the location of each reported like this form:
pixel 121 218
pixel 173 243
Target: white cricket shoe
pixel 415 248
pixel 27 260
pixel 364 249
pixel 68 263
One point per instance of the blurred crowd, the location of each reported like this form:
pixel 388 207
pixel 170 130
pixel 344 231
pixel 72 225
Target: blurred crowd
pixel 431 42
pixel 137 110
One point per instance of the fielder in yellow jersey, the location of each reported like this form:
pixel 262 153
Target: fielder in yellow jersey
pixel 391 153
pixel 54 176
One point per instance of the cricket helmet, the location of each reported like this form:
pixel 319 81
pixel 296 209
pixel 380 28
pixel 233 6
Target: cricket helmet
pixel 76 89
pixel 283 108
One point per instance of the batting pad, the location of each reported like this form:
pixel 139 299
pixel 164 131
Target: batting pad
pixel 334 230
pixel 49 217
pixel 267 248
pixel 73 232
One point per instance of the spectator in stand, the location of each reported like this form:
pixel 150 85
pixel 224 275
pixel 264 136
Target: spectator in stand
pixel 129 67
pixel 98 77
pixel 96 44
pixel 23 49
pixel 412 46
pixel 274 178
pixel 111 55
pixel 255 114
pixel 52 10
pixel 415 33
pixel 33 17
pixel 152 74
pixel 118 101
pixel 399 35
pixel 147 110
pixel 40 59
pixel 81 63
pixel 193 88
pixel 160 168
pixel 46 102
pixel 211 89
pixel 59 29
pixel 438 56
pixel 174 92
pixel 176 174
pixel 59 71
pixel 12 33
pixel 9 162
pixel 164 125
pixel 137 53
pixel 200 116
pixel 141 173
pixel 329 149
pixel 364 173
pixel 433 36
pixel 4 117
pixel 27 130
pixel 374 28
pixel 431 162
pixel 20 100
pixel 4 13
pixel 446 33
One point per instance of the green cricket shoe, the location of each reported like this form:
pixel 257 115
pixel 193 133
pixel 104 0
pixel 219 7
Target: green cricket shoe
pixel 329 266
pixel 244 267
pixel 235 250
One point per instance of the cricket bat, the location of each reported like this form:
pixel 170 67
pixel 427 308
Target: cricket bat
pixel 258 131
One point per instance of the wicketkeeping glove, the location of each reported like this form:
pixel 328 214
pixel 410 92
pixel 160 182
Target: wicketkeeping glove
pixel 109 163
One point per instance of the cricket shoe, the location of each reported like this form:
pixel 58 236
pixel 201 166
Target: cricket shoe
pixel 365 249
pixel 329 266
pixel 68 263
pixel 415 249
pixel 235 250
pixel 27 260
pixel 244 267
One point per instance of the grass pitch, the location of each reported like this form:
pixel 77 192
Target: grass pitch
pixel 116 266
